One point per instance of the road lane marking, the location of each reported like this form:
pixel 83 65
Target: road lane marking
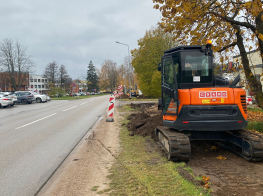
pixel 69 108
pixel 82 103
pixel 36 121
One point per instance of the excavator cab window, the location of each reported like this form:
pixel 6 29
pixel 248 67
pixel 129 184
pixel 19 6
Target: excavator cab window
pixel 196 67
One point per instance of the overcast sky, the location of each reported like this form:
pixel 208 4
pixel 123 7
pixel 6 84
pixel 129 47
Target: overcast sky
pixel 75 32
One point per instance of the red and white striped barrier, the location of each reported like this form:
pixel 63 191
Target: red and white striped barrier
pixel 111 109
pixel 112 102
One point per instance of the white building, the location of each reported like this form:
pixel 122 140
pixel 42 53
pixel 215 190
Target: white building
pixel 38 83
pixel 255 63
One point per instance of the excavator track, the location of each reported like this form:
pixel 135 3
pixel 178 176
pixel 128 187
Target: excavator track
pixel 176 145
pixel 252 148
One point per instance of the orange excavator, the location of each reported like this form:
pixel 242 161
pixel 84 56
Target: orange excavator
pixel 197 105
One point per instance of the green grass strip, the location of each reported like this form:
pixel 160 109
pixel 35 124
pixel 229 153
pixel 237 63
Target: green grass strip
pixel 140 170
pixel 258 126
pixel 254 109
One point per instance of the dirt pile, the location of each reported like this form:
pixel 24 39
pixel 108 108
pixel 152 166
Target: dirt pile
pixel 127 96
pixel 124 96
pixel 146 120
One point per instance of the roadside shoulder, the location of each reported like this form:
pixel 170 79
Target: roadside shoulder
pixel 85 171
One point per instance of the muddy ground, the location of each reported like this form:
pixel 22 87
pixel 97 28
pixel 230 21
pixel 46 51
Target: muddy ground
pixel 229 174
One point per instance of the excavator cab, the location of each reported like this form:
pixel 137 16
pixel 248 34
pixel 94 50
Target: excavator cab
pixel 196 105
pixel 184 68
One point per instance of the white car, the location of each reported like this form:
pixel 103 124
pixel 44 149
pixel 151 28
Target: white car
pixel 12 95
pixel 48 97
pixel 39 98
pixel 5 101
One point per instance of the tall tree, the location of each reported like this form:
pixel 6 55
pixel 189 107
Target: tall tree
pixel 147 57
pixel 15 61
pixel 51 72
pixel 62 74
pixel 230 23
pixel 108 75
pixel 92 78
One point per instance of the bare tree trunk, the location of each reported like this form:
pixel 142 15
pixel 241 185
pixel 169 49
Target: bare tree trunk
pixel 254 85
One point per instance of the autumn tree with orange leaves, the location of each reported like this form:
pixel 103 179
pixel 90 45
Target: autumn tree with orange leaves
pixel 230 24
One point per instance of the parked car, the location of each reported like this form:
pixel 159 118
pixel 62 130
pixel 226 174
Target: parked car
pixel 92 93
pixel 5 101
pixel 76 94
pixel 40 98
pixel 48 97
pixel 25 97
pixel 88 93
pixel 14 98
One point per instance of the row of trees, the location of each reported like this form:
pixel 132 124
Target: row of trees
pixel 57 74
pixel 58 78
pixel 111 75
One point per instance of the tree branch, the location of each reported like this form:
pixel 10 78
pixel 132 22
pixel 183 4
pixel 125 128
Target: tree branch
pixel 232 21
pixel 228 46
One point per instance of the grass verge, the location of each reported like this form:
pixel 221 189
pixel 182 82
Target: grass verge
pixel 135 99
pixel 140 169
pixel 254 109
pixel 258 126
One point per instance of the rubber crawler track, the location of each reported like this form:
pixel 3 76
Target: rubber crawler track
pixel 179 144
pixel 256 141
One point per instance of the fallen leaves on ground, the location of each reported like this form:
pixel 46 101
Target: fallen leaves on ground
pixel 214 148
pixel 255 116
pixel 205 179
pixel 221 158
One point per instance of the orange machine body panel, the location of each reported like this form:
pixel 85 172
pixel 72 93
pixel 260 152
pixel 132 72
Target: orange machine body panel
pixel 208 96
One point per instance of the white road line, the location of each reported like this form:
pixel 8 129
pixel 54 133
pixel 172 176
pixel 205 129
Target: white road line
pixel 36 121
pixel 69 108
pixel 82 103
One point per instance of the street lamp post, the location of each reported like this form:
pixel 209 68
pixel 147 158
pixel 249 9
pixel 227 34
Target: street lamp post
pixel 129 65
pixel 125 76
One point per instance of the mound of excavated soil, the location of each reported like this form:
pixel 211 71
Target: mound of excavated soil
pixel 126 96
pixel 144 122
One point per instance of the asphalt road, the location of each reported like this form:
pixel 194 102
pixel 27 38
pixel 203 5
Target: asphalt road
pixel 36 138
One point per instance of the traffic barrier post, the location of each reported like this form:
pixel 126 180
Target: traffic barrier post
pixel 111 109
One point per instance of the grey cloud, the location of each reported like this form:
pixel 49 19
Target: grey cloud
pixel 75 32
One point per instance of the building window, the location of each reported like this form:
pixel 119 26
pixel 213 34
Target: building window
pixel 39 86
pixel 258 77
pixel 45 80
pixel 35 86
pixel 32 86
pixel 31 80
pixel 35 80
pixel 42 80
pixel 43 86
pixel 38 80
